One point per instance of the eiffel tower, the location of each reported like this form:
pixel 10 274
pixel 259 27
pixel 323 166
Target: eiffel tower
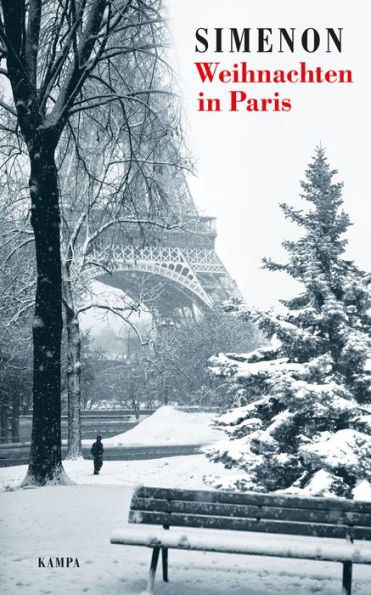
pixel 173 270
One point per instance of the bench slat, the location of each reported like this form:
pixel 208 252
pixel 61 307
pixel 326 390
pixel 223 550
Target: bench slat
pixel 332 517
pixel 255 498
pixel 246 524
pixel 242 544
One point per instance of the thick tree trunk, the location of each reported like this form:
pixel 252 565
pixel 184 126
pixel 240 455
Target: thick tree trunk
pixel 73 384
pixel 45 458
pixel 166 392
pixel 4 424
pixel 134 402
pixel 15 417
pixel 136 408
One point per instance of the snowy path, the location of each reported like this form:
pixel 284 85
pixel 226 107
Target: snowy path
pixel 78 520
pixel 167 432
pixel 20 455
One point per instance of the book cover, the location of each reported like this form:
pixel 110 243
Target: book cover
pixel 185 299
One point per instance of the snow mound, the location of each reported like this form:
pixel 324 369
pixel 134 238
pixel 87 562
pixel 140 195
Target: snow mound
pixel 169 426
pixel 60 478
pixel 362 491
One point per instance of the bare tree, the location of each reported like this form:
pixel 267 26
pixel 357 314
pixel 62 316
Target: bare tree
pixel 17 289
pixel 180 362
pixel 114 191
pixel 59 60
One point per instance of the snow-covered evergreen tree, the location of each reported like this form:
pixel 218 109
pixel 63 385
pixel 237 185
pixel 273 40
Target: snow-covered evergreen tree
pixel 301 420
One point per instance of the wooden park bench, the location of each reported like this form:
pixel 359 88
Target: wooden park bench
pixel 344 520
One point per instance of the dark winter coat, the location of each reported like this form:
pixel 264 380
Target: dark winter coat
pixel 97 450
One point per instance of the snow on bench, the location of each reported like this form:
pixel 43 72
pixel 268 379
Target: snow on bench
pixel 344 520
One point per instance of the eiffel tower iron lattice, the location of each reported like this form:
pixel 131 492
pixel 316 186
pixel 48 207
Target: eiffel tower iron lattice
pixel 170 270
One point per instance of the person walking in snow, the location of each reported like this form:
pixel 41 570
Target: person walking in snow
pixel 97 452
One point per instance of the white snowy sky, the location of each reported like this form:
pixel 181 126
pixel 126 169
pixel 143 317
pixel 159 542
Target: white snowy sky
pixel 247 163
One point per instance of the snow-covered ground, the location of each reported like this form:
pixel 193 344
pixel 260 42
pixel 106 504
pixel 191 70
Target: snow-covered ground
pixel 77 522
pixel 166 427
pixel 187 471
